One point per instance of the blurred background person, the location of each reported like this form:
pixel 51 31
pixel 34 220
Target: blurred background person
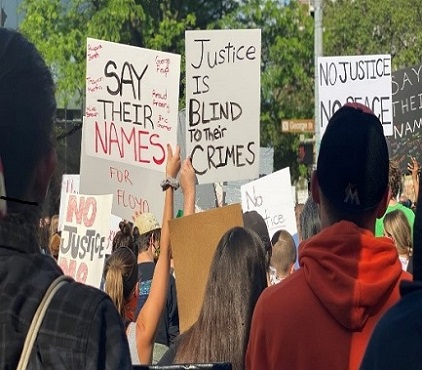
pixel 396 227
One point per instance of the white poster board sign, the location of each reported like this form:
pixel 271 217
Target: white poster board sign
pixel 131 103
pixel 70 185
pixel 84 237
pixel 223 103
pixel 364 79
pixel 271 197
pixel 133 188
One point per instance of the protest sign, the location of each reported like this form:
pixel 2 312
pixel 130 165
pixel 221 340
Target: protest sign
pixel 131 115
pixel 133 188
pixel 223 103
pixel 84 237
pixel 194 240
pixel 364 79
pixel 70 185
pixel 407 116
pixel 131 103
pixel 266 166
pixel 271 196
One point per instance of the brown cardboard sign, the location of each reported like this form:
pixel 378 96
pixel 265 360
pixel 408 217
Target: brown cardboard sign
pixel 194 240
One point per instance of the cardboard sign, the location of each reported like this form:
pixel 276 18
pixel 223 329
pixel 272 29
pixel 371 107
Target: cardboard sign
pixel 193 253
pixel 223 103
pixel 133 188
pixel 364 79
pixel 131 104
pixel 271 196
pixel 84 237
pixel 407 109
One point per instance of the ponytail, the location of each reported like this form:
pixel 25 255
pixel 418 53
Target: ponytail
pixel 121 276
pixel 114 287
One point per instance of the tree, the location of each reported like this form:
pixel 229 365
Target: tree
pixel 59 30
pixel 287 87
pixel 372 27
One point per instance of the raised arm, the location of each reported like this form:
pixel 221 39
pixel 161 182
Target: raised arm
pixel 188 184
pixel 413 167
pixel 149 316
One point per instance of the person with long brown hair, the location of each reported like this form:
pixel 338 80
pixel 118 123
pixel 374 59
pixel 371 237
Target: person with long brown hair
pixel 397 227
pixel 121 281
pixel 237 277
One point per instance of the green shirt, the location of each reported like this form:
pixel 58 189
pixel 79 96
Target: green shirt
pixel 410 215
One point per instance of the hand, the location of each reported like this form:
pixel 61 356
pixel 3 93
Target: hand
pixel 173 161
pixel 413 167
pixel 135 215
pixel 187 177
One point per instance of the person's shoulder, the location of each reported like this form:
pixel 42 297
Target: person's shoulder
pixel 280 296
pixel 406 315
pixel 407 211
pixel 82 302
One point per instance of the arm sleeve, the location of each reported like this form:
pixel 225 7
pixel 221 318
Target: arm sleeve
pixel 107 346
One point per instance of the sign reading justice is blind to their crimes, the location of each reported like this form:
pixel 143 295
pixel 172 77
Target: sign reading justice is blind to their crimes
pixel 364 79
pixel 223 103
pixel 131 103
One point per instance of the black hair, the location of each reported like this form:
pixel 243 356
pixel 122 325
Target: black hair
pixel 27 113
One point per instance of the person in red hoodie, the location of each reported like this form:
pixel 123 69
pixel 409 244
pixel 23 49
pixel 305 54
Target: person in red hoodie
pixel 322 316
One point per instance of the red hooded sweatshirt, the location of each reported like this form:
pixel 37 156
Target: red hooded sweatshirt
pixel 321 317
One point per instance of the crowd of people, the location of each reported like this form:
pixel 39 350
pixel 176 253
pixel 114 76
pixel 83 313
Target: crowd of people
pixel 350 299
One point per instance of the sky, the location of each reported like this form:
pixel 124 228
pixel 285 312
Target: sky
pixel 11 8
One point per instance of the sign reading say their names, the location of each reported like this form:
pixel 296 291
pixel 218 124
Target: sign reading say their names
pixel 407 109
pixel 84 237
pixel 131 103
pixel 223 103
pixel 364 79
pixel 271 197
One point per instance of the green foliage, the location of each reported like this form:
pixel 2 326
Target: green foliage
pixel 287 71
pixel 374 27
pixel 60 28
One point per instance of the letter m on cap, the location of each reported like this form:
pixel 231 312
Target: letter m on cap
pixel 352 195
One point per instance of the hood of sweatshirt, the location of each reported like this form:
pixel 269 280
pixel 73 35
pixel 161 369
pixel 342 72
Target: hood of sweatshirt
pixel 350 271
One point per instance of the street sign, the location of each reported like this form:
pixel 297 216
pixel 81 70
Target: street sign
pixel 298 125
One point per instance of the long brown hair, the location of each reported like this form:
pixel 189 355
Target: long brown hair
pixel 236 279
pixel 121 275
pixel 397 226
